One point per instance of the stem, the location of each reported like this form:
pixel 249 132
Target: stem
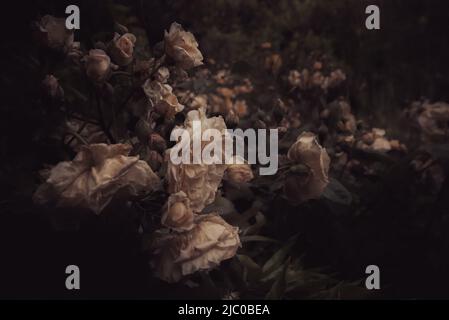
pixel 101 119
pixel 78 133
pixel 78 136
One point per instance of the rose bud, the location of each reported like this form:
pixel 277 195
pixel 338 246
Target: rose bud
pixel 162 74
pixel 177 212
pixel 302 186
pixel 157 142
pixel 52 88
pixel 182 47
pixel 121 48
pixel 98 65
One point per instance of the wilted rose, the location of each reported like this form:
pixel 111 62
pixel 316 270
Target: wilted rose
pixel 98 172
pixel 211 241
pixel 51 32
pixel 161 96
pixel 98 65
pixel 311 177
pixel 182 47
pixel 199 181
pixel 177 212
pixel 121 48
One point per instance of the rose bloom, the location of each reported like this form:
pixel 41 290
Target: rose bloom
pixel 177 213
pixel 51 32
pixel 211 241
pixel 306 151
pixel 199 181
pixel 182 47
pixel 121 48
pixel 162 98
pixel 97 173
pixel 98 65
pixel 162 74
pixel 239 171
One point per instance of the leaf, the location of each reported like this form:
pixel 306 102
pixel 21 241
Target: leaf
pixel 278 289
pixel 251 269
pixel 278 258
pixel 336 192
pixel 256 238
pixel 221 205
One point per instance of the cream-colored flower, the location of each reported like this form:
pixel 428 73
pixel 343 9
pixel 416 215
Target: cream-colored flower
pixel 162 74
pixel 51 32
pixel 96 174
pixel 182 47
pixel 121 48
pixel 177 212
pixel 98 65
pixel 211 241
pixel 161 96
pixel 199 181
pixel 239 171
pixel 306 151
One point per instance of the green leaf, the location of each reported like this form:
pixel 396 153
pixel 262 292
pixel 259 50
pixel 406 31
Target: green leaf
pixel 278 258
pixel 278 289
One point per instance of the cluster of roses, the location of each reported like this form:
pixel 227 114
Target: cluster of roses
pixel 314 78
pixel 102 172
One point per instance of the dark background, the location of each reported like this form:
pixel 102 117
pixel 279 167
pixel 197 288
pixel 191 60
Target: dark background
pixel 406 60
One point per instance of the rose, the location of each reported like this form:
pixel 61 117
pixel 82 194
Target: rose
pixel 97 173
pixel 239 171
pixel 199 181
pixel 162 74
pixel 162 98
pixel 182 47
pixel 51 32
pixel 177 213
pixel 98 65
pixel 309 176
pixel 209 242
pixel 121 48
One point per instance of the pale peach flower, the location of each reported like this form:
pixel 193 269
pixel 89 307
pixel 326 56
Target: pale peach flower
pixel 182 47
pixel 204 247
pixel 98 172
